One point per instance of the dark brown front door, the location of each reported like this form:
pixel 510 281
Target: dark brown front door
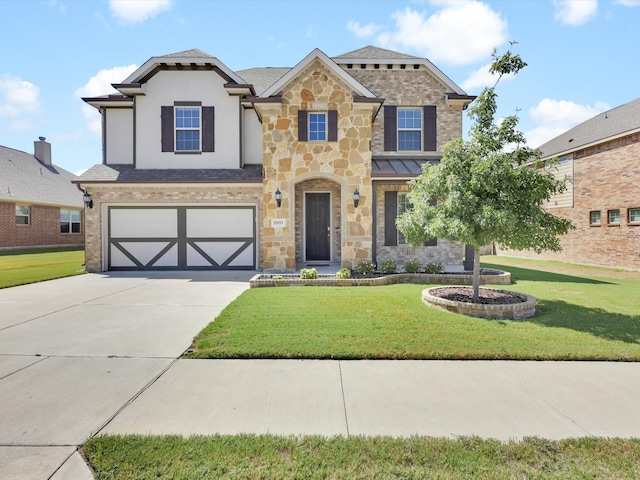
pixel 318 227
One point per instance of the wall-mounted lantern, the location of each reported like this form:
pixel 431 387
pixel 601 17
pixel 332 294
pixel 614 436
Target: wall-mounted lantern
pixel 88 201
pixel 278 196
pixel 356 198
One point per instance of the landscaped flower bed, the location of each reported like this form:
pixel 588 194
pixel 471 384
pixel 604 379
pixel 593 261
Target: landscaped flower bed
pixel 487 276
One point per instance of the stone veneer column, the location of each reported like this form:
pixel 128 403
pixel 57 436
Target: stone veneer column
pixel 288 162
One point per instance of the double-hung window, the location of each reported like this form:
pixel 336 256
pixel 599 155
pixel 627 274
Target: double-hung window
pixel 69 221
pixel 633 215
pixel 23 215
pixel 187 129
pixel 613 217
pixel 409 129
pixel 595 218
pixel 317 127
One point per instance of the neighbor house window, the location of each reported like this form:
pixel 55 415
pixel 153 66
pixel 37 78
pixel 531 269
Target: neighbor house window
pixel 70 221
pixel 23 215
pixel 404 205
pixel 187 129
pixel 318 127
pixel 633 215
pixel 614 217
pixel 595 218
pixel 409 129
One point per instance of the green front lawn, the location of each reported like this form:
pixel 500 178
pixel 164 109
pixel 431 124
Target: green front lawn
pixel 585 314
pixel 29 266
pixel 266 457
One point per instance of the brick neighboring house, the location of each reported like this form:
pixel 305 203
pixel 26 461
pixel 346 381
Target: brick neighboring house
pixel 267 168
pixel 603 202
pixel 39 206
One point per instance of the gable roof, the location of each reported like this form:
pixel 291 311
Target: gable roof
pixel 374 53
pixel 381 55
pixel 262 78
pixel 317 54
pixel 193 57
pixel 617 122
pixel 23 179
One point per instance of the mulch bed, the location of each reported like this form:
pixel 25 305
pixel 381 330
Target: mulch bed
pixel 486 296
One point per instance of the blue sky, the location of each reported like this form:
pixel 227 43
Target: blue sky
pixel 582 54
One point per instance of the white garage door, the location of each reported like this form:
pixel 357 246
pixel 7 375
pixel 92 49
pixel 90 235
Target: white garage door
pixel 182 238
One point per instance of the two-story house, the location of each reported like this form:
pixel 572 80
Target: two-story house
pixel 267 168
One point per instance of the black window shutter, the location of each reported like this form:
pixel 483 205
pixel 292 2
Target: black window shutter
pixel 166 120
pixel 332 123
pixel 303 131
pixel 208 129
pixel 390 215
pixel 390 128
pixel 429 131
pixel 431 243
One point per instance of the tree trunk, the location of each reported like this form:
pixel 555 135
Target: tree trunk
pixel 476 273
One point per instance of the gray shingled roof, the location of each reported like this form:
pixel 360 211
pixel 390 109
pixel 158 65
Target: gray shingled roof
pixel 402 167
pixel 613 123
pixel 374 53
pixel 193 53
pixel 128 174
pixel 262 78
pixel 25 179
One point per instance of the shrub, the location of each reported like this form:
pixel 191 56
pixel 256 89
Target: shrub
pixel 308 273
pixel 364 267
pixel 343 273
pixel 433 267
pixel 412 266
pixel 388 266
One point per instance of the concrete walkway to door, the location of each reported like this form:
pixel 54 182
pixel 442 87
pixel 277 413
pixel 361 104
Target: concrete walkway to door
pixel 75 351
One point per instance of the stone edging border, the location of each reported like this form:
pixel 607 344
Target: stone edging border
pixel 511 311
pixel 288 280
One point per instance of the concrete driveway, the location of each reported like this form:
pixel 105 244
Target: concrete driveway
pixel 75 351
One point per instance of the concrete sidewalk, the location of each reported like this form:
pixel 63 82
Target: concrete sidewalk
pixel 491 399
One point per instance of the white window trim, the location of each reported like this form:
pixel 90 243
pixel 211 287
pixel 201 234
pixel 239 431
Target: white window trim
pixel 591 222
pixel 398 129
pixel 326 126
pixel 609 222
pixel 629 215
pixel 176 129
pixel 28 215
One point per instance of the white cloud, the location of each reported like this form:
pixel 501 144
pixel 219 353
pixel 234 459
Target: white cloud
pixel 476 28
pixel 628 3
pixel 136 11
pixel 575 12
pixel 555 117
pixel 17 96
pixel 363 31
pixel 100 84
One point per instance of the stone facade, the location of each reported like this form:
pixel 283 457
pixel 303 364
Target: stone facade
pixel 43 230
pixel 288 163
pixel 169 194
pixel 605 177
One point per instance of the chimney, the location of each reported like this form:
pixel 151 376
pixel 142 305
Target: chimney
pixel 42 150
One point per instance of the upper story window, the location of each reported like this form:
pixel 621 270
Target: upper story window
pixel 633 215
pixel 409 129
pixel 23 215
pixel 594 218
pixel 187 129
pixel 614 217
pixel 69 221
pixel 318 127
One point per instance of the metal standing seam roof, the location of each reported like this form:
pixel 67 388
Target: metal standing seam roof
pixel 612 123
pixel 401 167
pixel 128 174
pixel 24 179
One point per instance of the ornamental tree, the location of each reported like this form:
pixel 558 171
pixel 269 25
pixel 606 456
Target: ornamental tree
pixel 488 189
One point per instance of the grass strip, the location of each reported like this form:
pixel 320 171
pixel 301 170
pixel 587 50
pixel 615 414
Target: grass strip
pixel 29 266
pixel 266 457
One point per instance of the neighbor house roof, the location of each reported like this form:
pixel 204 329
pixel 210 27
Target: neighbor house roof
pixel 23 179
pixel 617 122
pixel 374 53
pixel 128 174
pixel 263 78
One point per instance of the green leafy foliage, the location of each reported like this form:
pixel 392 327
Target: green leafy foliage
pixel 488 189
pixel 364 267
pixel 412 266
pixel 433 267
pixel 343 273
pixel 308 273
pixel 388 266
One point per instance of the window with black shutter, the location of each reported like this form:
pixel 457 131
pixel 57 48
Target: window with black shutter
pixel 317 126
pixel 187 127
